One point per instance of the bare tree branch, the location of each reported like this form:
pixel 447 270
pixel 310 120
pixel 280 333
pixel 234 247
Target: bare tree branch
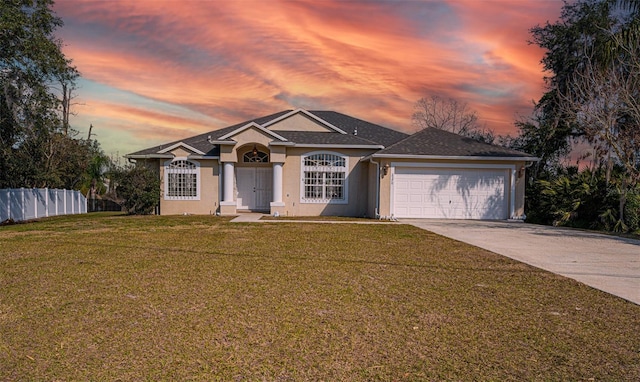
pixel 445 114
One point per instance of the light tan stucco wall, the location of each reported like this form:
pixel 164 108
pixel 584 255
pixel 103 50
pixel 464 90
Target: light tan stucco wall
pixel 278 154
pixel 250 137
pixel 357 185
pixel 179 152
pixel 209 195
pixel 228 153
pixel 520 190
pixel 385 189
pixel 298 122
pixel 385 182
pixel 372 203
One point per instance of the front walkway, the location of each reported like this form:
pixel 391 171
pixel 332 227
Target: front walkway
pixel 248 217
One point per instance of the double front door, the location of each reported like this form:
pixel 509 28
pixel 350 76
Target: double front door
pixel 255 185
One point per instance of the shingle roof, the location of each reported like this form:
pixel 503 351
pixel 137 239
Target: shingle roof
pixel 436 142
pixel 322 138
pixel 367 130
pixel 201 141
pixel 428 142
pixel 368 134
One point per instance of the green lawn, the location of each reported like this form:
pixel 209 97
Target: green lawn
pixel 103 297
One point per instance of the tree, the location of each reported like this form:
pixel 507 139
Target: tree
pixel 139 186
pixel 587 34
pixel 592 98
pixel 605 102
pixel 450 115
pixel 602 94
pixel 98 164
pixel 31 111
pixel 539 136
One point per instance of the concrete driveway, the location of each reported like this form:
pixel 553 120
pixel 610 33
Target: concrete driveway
pixel 608 263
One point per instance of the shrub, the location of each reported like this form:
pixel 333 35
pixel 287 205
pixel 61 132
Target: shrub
pixel 140 189
pixel 632 211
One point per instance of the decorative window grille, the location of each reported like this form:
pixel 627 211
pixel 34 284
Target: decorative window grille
pixel 258 157
pixel 324 178
pixel 181 180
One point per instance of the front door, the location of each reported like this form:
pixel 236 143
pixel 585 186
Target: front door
pixel 254 188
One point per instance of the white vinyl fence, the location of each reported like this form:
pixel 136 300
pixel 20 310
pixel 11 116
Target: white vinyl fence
pixel 32 203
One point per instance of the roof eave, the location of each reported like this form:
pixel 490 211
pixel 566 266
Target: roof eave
pixel 203 157
pixel 458 157
pixel 326 146
pixel 279 143
pixel 149 156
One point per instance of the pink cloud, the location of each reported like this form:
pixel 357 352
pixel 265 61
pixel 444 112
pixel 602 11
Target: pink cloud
pixel 236 60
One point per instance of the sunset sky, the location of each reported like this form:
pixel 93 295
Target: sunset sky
pixel 155 71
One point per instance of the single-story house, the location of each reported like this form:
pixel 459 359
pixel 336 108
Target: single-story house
pixel 306 163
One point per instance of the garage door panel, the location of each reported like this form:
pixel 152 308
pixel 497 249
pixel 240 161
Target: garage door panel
pixel 455 193
pixel 402 198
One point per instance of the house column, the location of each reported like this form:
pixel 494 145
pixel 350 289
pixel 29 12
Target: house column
pixel 227 194
pixel 277 206
pixel 227 205
pixel 512 196
pixel 277 182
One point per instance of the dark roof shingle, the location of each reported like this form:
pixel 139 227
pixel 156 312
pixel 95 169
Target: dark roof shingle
pixel 367 134
pixel 201 141
pixel 436 142
pixel 322 138
pixel 367 130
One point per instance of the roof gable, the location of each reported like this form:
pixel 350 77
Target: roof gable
pixel 301 116
pixel 182 145
pixel 251 125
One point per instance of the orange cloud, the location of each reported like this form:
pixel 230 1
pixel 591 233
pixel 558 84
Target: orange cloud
pixel 228 61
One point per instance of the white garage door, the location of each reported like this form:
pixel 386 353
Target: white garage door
pixel 450 193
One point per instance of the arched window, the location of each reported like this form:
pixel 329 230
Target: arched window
pixel 324 178
pixel 181 180
pixel 255 156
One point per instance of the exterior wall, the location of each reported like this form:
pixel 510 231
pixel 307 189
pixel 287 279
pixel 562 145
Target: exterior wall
pixel 357 186
pixel 362 183
pixel 298 122
pixel 208 202
pixel 179 152
pixel 357 175
pixel 385 189
pixel 278 154
pixel 373 182
pixel 247 137
pixel 520 189
pixel 385 182
pixel 228 153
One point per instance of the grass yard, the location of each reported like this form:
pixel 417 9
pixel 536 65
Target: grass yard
pixel 104 297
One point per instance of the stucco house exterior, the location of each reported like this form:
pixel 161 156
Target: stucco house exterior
pixel 309 163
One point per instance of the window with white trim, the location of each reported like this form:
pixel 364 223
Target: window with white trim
pixel 181 180
pixel 324 178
